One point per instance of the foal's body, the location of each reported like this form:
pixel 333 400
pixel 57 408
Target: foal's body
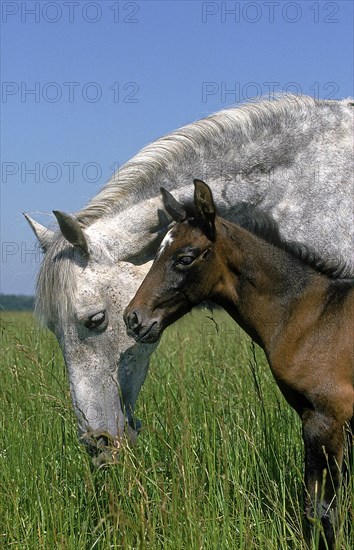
pixel 304 322
pixel 300 316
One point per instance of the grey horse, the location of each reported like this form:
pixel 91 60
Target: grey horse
pixel 291 156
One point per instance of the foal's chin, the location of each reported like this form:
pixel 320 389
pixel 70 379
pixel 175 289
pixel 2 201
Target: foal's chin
pixel 149 335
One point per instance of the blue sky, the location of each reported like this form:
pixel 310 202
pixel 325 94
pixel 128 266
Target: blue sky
pixel 85 85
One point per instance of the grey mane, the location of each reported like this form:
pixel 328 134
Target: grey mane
pixel 55 280
pixel 260 135
pixel 196 144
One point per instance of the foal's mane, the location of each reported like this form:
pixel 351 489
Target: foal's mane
pixel 264 226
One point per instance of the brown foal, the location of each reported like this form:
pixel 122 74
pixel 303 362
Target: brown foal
pixel 297 308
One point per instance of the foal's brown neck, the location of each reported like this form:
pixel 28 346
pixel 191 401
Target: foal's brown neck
pixel 262 284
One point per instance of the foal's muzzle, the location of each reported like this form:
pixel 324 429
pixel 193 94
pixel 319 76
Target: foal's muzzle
pixel 142 330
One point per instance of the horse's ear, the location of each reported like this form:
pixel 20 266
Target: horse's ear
pixel 174 208
pixel 43 234
pixel 204 203
pixel 72 231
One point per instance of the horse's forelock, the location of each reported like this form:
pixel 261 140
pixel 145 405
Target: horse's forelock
pixel 56 283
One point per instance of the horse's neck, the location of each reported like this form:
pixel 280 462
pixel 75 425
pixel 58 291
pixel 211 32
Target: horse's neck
pixel 266 284
pixel 135 233
pixel 132 234
pixel 228 152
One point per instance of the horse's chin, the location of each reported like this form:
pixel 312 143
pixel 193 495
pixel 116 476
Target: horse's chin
pixel 105 451
pixel 107 457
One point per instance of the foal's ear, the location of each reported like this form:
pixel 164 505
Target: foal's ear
pixel 174 208
pixel 204 203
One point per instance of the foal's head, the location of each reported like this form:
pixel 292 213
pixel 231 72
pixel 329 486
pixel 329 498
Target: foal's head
pixel 186 269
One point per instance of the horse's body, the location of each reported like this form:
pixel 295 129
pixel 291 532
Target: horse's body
pixel 293 157
pixel 286 299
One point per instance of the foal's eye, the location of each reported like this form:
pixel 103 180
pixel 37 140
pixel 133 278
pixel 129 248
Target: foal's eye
pixel 185 260
pixel 96 321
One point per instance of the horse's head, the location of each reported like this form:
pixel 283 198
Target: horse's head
pixel 81 292
pixel 186 269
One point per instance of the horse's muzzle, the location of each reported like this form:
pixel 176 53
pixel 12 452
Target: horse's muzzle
pixel 102 448
pixel 105 449
pixel 143 331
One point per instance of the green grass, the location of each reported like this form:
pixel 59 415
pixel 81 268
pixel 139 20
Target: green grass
pixel 218 464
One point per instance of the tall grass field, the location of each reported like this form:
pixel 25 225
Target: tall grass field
pixel 218 463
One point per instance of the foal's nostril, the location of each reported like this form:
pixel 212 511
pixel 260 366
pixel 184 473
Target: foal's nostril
pixel 133 320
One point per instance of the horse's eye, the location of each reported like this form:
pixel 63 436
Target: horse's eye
pixel 96 320
pixel 185 260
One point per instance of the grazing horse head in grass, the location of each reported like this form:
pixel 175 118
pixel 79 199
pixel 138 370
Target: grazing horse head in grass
pixel 297 307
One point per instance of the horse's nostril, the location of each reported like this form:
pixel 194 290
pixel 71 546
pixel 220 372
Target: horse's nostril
pixel 133 320
pixel 102 441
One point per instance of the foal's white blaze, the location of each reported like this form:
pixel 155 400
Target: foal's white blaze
pixel 166 242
